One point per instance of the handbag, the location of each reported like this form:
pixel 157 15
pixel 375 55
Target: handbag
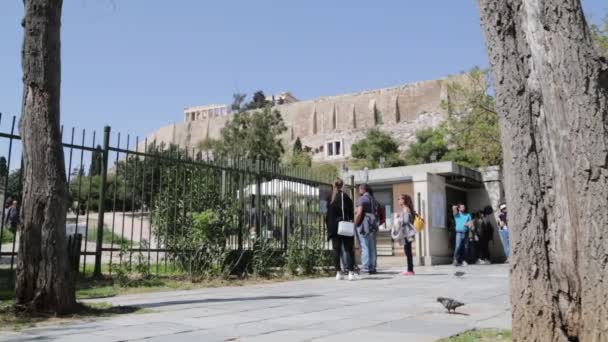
pixel 418 223
pixel 345 228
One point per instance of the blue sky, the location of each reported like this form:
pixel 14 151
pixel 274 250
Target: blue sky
pixel 135 64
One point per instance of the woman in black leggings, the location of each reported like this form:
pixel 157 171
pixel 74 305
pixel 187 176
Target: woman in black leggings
pixel 404 232
pixel 341 209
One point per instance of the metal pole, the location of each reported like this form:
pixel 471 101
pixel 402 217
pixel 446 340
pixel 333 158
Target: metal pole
pixel 258 199
pixel 102 197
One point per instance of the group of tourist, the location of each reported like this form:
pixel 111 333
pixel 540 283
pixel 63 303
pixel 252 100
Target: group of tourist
pixel 472 233
pixel 366 223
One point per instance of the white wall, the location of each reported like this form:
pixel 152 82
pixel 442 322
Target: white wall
pixel 433 241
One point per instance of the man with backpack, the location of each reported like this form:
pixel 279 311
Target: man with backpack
pixel 366 223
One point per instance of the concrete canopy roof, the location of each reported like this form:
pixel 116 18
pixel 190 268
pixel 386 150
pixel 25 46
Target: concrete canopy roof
pixel 453 173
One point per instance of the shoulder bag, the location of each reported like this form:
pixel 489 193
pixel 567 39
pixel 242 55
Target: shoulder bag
pixel 345 228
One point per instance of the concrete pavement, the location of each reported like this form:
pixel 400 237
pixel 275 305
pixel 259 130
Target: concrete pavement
pixel 386 307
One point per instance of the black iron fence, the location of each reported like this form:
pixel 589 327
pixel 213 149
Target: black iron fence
pixel 132 199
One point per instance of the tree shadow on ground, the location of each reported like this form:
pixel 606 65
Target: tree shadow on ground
pixel 388 272
pixel 14 318
pixel 376 278
pixel 220 300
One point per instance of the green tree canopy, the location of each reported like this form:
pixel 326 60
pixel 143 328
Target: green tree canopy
pixel 3 167
pixel 600 36
pixel 259 101
pixel 14 189
pixel 298 159
pixel 429 147
pixel 374 146
pixel 297 146
pixel 96 162
pixel 252 135
pixel 237 101
pixel 470 136
pixel 472 132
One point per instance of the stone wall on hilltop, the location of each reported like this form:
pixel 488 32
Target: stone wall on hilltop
pixel 399 111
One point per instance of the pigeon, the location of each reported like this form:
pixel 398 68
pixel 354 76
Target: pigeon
pixel 449 303
pixel 459 274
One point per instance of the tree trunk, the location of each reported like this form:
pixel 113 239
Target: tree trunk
pixel 44 280
pixel 552 97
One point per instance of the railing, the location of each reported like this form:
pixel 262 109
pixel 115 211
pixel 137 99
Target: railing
pixel 131 197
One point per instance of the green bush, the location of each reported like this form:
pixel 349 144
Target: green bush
pixel 264 258
pixel 292 256
pixel 121 270
pixel 202 251
pixel 194 220
pixel 7 236
pixel 305 256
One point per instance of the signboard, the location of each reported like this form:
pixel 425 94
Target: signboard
pixel 438 210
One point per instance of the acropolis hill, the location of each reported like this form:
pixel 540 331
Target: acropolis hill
pixel 329 125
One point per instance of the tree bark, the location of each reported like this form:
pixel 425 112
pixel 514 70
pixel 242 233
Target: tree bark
pixel 551 89
pixel 44 280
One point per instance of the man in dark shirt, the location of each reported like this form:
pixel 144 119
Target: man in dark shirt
pixel 366 227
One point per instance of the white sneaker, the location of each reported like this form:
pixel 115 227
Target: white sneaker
pixel 339 276
pixel 352 276
pixel 464 263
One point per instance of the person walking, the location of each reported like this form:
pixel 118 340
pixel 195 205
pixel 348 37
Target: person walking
pixel 12 217
pixel 504 230
pixel 403 232
pixel 341 209
pixel 463 221
pixel 366 226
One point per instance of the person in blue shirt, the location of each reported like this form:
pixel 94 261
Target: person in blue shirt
pixel 463 222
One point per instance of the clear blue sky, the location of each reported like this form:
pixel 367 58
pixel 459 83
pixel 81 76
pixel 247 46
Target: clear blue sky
pixel 135 64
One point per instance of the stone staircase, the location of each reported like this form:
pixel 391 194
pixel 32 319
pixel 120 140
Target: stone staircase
pixel 384 244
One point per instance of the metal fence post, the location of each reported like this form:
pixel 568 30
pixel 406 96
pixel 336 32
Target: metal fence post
pixel 102 197
pixel 258 198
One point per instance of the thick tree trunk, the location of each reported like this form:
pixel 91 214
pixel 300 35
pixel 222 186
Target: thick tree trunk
pixel 44 280
pixel 552 97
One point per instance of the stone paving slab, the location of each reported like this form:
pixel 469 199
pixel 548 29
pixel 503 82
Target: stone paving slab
pixel 387 307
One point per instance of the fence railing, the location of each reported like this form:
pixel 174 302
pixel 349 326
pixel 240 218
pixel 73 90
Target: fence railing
pixel 137 197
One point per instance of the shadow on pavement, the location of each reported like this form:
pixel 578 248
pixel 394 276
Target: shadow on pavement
pixel 220 300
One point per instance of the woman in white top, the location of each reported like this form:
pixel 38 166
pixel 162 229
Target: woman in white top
pixel 403 230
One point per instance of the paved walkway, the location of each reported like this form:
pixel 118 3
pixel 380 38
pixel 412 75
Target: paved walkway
pixel 383 307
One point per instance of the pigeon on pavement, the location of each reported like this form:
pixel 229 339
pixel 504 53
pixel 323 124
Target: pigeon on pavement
pixel 449 303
